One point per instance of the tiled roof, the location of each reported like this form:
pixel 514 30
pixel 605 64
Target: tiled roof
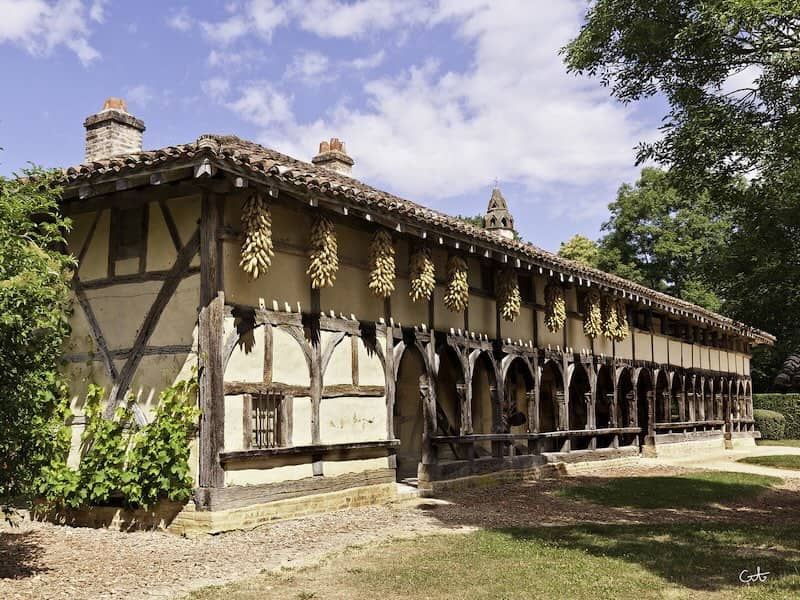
pixel 249 156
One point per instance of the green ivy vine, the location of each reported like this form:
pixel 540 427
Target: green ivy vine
pixel 122 463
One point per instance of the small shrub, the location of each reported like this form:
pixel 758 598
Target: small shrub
pixel 786 404
pixel 771 424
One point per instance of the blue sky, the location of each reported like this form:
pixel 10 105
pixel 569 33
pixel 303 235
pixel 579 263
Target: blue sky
pixel 434 98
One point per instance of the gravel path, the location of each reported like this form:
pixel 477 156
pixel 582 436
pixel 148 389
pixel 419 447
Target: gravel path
pixel 40 560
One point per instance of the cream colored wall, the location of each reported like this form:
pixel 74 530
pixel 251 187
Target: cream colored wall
pixel 644 350
pixel 660 354
pixel 120 311
pixel 624 349
pixel 352 419
pixel 95 262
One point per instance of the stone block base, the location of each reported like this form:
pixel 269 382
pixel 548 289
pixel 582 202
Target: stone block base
pixel 191 522
pixel 688 446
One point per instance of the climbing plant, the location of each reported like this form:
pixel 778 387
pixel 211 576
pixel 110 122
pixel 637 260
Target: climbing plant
pixel 122 463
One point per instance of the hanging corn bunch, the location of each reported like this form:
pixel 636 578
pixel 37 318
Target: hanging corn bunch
pixel 456 296
pixel 421 275
pixel 622 320
pixel 592 317
pixel 381 264
pixel 257 252
pixel 614 319
pixel 324 256
pixel 608 311
pixel 508 295
pixel 555 314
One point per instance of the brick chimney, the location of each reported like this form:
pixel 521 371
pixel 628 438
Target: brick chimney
pixel 333 155
pixel 112 131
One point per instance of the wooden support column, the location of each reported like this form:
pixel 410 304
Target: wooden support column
pixel 427 390
pixel 465 410
pixel 316 366
pixel 210 346
pixel 388 369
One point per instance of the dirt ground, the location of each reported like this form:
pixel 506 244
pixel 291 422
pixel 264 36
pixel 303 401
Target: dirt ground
pixel 40 560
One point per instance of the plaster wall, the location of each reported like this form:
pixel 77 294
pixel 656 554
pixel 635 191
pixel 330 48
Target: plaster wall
pixel 352 419
pixel 660 350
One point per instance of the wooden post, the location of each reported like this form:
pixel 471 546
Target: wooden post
pixel 388 367
pixel 210 346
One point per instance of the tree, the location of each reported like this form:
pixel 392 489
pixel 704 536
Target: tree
pixel 580 249
pixel 728 70
pixel 34 303
pixel 663 238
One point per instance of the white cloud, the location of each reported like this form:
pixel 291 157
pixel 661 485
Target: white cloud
pixel 311 68
pixel 259 103
pixel 140 95
pixel 97 10
pixel 429 132
pixel 513 114
pixel 180 20
pixel 371 61
pixel 39 27
pixel 334 18
pixel 261 17
pixel 217 88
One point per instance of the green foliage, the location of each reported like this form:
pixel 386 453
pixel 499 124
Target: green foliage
pixel 123 464
pixel 479 221
pixel 663 239
pixel 780 461
pixel 35 276
pixel 158 463
pixel 476 221
pixel 580 249
pixel 691 490
pixel 728 70
pixel 786 404
pixel 771 424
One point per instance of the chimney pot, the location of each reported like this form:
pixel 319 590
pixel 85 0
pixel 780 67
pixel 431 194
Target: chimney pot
pixel 112 131
pixel 333 155
pixel 115 104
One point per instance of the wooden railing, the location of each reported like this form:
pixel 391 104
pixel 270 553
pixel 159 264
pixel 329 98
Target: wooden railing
pixel 502 443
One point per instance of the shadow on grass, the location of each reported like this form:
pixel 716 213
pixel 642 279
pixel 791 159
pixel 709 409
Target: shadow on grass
pixel 705 557
pixel 20 556
pixel 693 490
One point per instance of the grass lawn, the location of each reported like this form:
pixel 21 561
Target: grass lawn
pixel 575 562
pixel 781 461
pixel 793 443
pixel 692 490
pixel 587 560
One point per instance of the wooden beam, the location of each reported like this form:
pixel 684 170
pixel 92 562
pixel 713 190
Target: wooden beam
pixel 94 329
pixel 171 227
pixel 166 292
pixel 212 312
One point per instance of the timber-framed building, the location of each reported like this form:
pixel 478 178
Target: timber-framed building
pixel 326 396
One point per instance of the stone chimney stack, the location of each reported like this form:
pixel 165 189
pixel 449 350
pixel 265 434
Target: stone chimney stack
pixel 333 155
pixel 112 131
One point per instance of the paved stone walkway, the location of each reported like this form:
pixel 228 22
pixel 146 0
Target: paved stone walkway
pixel 727 461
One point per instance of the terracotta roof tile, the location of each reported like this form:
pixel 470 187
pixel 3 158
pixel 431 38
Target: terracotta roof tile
pixel 293 172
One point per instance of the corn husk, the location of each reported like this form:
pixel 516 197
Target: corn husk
pixel 381 261
pixel 592 315
pixel 555 314
pixel 456 296
pixel 257 251
pixel 508 295
pixel 323 260
pixel 421 275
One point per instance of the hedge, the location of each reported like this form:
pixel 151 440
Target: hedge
pixel 786 404
pixel 771 424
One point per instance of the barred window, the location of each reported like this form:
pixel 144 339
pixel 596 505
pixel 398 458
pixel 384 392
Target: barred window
pixel 266 422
